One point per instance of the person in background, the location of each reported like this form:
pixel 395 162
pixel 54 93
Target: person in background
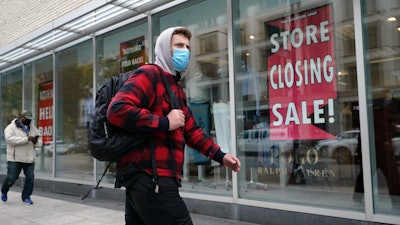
pixel 21 137
pixel 141 105
pixel 387 110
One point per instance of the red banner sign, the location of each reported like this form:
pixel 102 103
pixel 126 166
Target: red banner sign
pixel 302 75
pixel 45 111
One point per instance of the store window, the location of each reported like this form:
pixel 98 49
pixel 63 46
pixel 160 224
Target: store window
pixel 122 50
pixel 39 99
pixel 206 85
pixel 296 102
pixel 383 86
pixel 11 105
pixel 73 106
pixel 118 51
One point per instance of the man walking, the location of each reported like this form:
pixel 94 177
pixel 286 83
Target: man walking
pixel 142 105
pixel 21 137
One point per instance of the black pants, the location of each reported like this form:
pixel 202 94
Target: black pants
pixel 13 171
pixel 145 207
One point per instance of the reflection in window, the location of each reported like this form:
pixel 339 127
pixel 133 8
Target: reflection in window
pixel 111 62
pixel 383 84
pixel 206 85
pixel 11 103
pixel 293 98
pixel 74 76
pixel 39 98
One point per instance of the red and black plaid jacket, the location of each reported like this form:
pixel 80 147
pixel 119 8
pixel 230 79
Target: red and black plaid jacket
pixel 142 105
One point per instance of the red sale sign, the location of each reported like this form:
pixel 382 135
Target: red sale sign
pixel 302 75
pixel 45 111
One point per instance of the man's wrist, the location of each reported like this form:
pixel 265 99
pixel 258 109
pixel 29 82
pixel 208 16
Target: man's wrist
pixel 219 157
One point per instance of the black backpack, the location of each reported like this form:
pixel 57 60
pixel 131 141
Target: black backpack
pixel 110 143
pixel 107 142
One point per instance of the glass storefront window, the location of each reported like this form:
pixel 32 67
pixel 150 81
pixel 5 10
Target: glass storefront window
pixel 11 105
pixel 72 110
pixel 383 86
pixel 296 102
pixel 39 99
pixel 295 91
pixel 118 51
pixel 122 50
pixel 206 85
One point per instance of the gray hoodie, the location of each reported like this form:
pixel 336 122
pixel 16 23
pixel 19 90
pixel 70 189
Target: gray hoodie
pixel 164 54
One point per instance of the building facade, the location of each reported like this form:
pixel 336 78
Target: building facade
pixel 305 93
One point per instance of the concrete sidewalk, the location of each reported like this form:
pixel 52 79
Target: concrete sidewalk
pixel 60 209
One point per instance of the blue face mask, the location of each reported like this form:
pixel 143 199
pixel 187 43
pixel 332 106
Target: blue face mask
pixel 181 58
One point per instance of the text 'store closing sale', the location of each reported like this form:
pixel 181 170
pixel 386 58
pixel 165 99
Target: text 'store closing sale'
pixel 302 75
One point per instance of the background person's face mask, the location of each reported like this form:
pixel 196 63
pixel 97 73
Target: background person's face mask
pixel 26 121
pixel 180 58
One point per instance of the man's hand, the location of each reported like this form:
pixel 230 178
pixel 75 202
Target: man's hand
pixel 32 139
pixel 176 119
pixel 231 162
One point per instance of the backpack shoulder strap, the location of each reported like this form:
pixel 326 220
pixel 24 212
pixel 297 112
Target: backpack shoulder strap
pixel 171 94
pixel 174 105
